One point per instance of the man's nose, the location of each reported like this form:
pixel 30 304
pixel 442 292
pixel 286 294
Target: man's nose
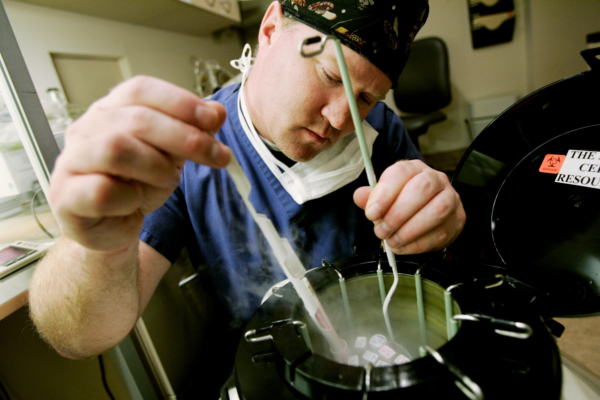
pixel 337 112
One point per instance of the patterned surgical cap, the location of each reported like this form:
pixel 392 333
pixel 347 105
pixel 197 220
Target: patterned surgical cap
pixel 382 31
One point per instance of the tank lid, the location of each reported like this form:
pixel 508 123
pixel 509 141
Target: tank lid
pixel 530 184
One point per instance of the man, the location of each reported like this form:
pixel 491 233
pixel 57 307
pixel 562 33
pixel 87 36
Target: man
pixel 143 163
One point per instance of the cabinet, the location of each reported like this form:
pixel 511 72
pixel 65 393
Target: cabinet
pixel 193 17
pixel 227 8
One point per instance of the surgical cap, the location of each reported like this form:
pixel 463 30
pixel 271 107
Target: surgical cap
pixel 382 31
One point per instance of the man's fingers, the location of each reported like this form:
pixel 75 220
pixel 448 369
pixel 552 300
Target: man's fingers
pixel 144 131
pixel 220 110
pixel 169 99
pixel 437 238
pixel 361 196
pixel 168 117
pixel 420 196
pixel 414 208
pixel 98 195
pixel 122 156
pixel 388 188
pixel 174 137
pixel 426 243
pixel 441 211
pixel 181 140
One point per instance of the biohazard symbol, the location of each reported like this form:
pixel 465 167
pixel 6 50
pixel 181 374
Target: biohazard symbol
pixel 552 163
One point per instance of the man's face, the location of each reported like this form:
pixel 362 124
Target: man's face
pixel 299 103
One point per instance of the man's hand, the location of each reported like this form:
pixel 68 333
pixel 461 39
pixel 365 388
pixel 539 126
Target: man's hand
pixel 123 159
pixel 414 207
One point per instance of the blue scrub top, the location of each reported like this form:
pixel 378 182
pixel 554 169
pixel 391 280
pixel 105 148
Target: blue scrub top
pixel 206 214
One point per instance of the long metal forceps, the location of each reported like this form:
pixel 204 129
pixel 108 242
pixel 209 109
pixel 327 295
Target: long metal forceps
pixel 361 139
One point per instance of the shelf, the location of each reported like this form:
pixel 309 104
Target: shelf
pixel 193 17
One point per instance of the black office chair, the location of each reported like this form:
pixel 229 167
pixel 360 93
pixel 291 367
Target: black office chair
pixel 424 86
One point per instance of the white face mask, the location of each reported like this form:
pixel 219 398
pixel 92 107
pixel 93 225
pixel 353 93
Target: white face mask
pixel 326 172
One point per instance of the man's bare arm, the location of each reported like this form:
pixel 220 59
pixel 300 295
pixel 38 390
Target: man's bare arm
pixel 122 160
pixel 85 302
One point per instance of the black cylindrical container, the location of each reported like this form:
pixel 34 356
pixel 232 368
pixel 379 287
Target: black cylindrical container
pixel 278 363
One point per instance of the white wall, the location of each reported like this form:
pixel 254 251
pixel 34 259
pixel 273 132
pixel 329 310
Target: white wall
pixel 164 54
pixel 548 37
pixel 557 31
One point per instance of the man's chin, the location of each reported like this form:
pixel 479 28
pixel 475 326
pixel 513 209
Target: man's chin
pixel 303 156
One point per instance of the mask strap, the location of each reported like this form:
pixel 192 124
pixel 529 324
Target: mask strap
pixel 278 168
pixel 244 63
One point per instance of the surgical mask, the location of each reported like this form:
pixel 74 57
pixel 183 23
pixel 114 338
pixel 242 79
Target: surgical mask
pixel 325 173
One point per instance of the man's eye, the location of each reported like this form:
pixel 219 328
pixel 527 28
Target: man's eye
pixel 329 77
pixel 366 100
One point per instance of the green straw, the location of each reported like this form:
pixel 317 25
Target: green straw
pixel 368 164
pixel 420 308
pixel 449 313
pixel 381 285
pixel 346 300
pixel 306 336
pixel 355 113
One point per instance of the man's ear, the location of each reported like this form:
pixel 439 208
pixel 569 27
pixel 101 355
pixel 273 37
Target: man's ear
pixel 270 26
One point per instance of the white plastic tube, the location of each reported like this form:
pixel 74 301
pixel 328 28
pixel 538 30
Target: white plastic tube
pixel 291 265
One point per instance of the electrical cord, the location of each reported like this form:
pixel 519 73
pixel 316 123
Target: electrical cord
pixel 3 393
pixel 5 396
pixel 35 216
pixel 103 375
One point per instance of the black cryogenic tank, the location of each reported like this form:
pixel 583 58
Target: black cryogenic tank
pixel 529 252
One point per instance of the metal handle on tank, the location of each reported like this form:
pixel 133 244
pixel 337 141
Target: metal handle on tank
pixel 513 329
pixel 464 383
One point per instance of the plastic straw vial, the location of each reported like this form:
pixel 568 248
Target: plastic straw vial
pixel 420 308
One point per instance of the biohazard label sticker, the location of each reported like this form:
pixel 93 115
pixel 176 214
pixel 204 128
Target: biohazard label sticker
pixel 552 163
pixel 580 168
